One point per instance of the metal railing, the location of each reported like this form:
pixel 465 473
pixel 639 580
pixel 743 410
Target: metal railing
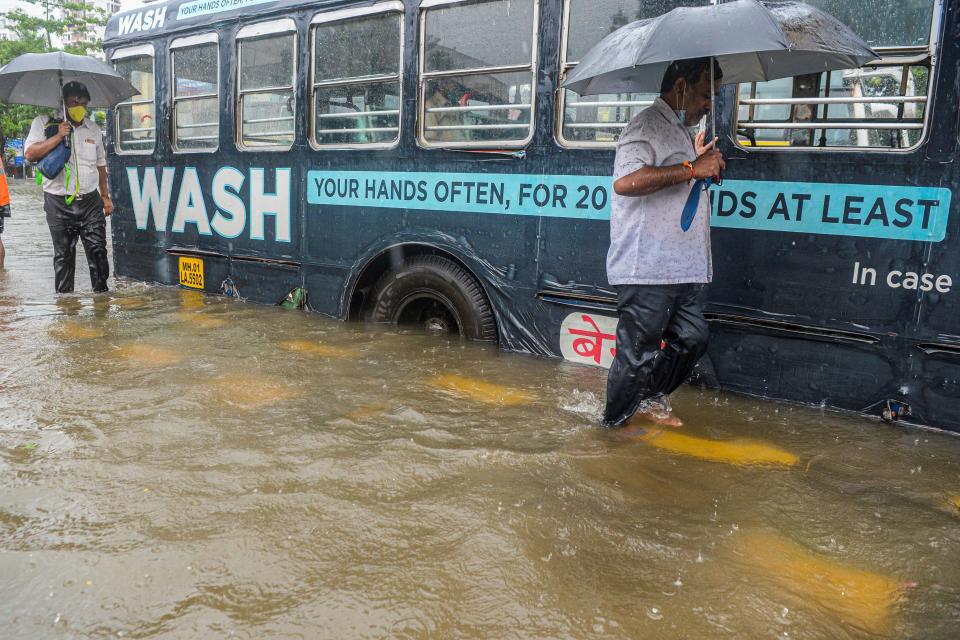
pixel 895 65
pixel 622 111
pixel 473 127
pixel 596 125
pixel 367 130
pixel 480 107
pixel 197 125
pixel 832 125
pixel 609 103
pixel 853 100
pixel 359 114
pixel 190 138
pixel 262 120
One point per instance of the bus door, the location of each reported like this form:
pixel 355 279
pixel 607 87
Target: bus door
pixel 828 214
pixel 132 141
pixel 354 111
pixel 258 179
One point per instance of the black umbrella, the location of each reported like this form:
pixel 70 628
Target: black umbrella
pixel 38 79
pixel 752 41
pixel 634 58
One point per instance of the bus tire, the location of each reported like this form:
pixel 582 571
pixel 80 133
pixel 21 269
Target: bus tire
pixel 436 294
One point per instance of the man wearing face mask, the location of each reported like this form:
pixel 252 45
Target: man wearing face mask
pixel 77 199
pixel 658 269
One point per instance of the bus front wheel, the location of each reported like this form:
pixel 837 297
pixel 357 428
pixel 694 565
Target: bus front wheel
pixel 435 294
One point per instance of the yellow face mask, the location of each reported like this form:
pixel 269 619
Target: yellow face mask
pixel 77 113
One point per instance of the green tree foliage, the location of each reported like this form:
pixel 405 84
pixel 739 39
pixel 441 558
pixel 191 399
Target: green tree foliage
pixel 37 34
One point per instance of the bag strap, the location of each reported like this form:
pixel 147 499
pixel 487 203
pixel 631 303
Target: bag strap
pixel 70 197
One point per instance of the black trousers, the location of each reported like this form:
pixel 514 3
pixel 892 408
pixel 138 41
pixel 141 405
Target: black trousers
pixel 84 220
pixel 642 369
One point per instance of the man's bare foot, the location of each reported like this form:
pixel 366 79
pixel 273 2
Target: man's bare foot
pixel 631 431
pixel 662 418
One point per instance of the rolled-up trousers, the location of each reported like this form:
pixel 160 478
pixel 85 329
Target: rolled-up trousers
pixel 82 219
pixel 661 334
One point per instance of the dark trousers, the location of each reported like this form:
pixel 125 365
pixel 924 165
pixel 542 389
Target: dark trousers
pixel 650 315
pixel 84 220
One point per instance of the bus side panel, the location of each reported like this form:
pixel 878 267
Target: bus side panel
pixel 335 235
pixel 137 253
pixel 936 352
pixel 834 281
pixel 936 388
pixel 573 252
pixel 261 282
pixel 840 375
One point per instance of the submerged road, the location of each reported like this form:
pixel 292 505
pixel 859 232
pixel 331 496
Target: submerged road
pixel 174 465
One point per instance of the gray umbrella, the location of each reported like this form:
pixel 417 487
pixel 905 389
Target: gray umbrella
pixel 818 42
pixel 37 78
pixel 752 42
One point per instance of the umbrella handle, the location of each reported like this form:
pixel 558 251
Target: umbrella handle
pixel 713 102
pixel 63 105
pixel 693 203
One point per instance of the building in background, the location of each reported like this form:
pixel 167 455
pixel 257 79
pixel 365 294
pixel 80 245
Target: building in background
pixel 11 5
pixel 83 32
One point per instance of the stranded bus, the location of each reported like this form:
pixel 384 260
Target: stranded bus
pixel 417 162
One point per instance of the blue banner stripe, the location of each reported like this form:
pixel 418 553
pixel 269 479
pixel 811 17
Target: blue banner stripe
pixel 586 197
pixel 867 211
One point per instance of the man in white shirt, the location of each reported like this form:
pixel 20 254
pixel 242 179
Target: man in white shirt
pixel 659 269
pixel 74 206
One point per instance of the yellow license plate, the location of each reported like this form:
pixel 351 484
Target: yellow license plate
pixel 191 272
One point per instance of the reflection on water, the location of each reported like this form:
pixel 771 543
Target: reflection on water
pixel 739 451
pixel 174 465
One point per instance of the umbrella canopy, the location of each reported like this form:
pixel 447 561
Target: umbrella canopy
pixel 818 42
pixel 752 42
pixel 634 58
pixel 37 78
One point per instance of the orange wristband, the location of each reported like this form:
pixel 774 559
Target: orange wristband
pixel 688 165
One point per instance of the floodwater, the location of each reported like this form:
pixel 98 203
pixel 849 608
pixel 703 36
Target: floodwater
pixel 174 465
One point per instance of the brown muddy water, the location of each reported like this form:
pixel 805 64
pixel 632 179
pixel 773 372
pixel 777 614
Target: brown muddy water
pixel 174 465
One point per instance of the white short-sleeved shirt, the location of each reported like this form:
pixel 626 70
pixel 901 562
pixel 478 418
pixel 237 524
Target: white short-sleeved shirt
pixel 86 154
pixel 647 245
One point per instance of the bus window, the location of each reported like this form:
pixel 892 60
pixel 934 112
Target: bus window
pixel 356 76
pixel 135 118
pixel 196 106
pixel 882 106
pixel 477 72
pixel 265 87
pixel 596 121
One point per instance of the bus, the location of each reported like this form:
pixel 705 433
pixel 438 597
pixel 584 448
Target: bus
pixel 419 162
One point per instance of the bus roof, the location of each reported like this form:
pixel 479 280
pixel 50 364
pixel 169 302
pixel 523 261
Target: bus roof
pixel 160 18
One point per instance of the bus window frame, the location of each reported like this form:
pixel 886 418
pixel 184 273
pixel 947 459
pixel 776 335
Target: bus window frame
pixel 423 76
pixel 256 30
pixel 561 93
pixel 135 51
pixel 342 15
pixel 889 56
pixel 186 42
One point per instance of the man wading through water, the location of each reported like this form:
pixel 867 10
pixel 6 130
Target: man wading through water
pixel 659 270
pixel 75 209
